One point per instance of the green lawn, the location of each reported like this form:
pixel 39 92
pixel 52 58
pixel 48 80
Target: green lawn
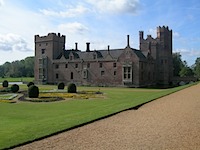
pixel 22 79
pixel 26 121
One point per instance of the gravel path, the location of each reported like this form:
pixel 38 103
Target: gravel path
pixel 171 122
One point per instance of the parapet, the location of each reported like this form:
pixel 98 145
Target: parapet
pixel 163 29
pixel 49 37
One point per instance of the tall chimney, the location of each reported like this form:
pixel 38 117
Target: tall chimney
pixel 128 45
pixel 76 46
pixel 87 47
pixel 141 33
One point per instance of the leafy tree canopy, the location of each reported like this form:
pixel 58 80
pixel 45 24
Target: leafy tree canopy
pixel 22 68
pixel 180 68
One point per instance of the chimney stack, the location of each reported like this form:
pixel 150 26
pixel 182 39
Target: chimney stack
pixel 108 47
pixel 141 33
pixel 87 47
pixel 128 45
pixel 76 46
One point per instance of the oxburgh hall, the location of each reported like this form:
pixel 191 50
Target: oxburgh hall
pixel 150 65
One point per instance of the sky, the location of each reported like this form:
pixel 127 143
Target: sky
pixel 100 22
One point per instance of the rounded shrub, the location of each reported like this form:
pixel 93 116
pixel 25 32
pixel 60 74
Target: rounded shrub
pixel 30 83
pixel 15 88
pixel 71 88
pixel 33 91
pixel 61 86
pixel 5 83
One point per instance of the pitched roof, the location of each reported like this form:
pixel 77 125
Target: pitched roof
pixel 98 54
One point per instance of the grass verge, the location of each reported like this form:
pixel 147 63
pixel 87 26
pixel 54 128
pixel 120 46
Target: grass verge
pixel 24 122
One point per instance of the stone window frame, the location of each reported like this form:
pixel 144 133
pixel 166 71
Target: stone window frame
pixel 100 65
pixel 57 76
pixel 127 73
pixel 88 65
pixel 56 66
pixel 102 72
pixel 114 64
pixel 115 73
pixel 85 73
pixel 76 65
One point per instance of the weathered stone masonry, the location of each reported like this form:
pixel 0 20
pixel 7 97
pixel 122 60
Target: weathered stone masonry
pixel 150 65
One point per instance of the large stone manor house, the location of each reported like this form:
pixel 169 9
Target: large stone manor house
pixel 150 65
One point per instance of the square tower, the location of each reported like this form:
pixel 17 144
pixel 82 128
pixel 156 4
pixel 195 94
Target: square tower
pixel 47 48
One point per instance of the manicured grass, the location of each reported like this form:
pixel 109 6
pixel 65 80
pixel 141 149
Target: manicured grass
pixel 26 121
pixel 22 79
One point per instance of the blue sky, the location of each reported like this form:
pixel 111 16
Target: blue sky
pixel 100 22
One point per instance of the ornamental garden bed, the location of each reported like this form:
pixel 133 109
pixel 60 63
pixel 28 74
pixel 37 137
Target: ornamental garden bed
pixel 58 95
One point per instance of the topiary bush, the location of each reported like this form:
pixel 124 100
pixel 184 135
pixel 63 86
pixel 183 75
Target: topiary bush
pixel 5 83
pixel 15 88
pixel 61 86
pixel 30 83
pixel 71 88
pixel 33 91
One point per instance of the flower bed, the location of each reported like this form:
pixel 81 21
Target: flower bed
pixel 41 99
pixel 58 95
pixel 78 95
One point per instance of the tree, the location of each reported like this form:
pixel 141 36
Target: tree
pixel 22 68
pixel 197 67
pixel 186 71
pixel 177 63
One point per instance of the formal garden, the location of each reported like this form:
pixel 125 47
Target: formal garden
pixel 30 112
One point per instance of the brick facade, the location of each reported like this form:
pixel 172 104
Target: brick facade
pixel 150 65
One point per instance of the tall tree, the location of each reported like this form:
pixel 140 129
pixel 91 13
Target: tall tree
pixel 177 63
pixel 197 67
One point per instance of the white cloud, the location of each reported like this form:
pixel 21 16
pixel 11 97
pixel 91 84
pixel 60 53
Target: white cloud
pixel 13 42
pixel 74 27
pixel 1 2
pixel 70 12
pixel 188 52
pixel 115 6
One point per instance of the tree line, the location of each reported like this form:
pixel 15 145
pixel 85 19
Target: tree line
pixel 22 68
pixel 25 67
pixel 181 68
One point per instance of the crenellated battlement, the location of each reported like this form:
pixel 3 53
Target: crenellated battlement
pixel 49 37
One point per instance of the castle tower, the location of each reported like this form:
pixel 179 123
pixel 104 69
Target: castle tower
pixel 160 49
pixel 47 48
pixel 164 60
